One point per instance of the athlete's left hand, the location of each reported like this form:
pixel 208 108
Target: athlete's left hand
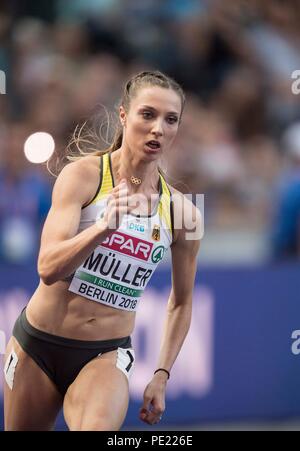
pixel 154 400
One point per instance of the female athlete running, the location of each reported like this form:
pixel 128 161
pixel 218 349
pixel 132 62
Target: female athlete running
pixel 71 346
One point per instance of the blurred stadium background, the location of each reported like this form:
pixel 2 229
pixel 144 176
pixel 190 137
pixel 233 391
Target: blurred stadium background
pixel 239 144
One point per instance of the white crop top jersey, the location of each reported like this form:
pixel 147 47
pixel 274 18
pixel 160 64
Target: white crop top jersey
pixel 119 269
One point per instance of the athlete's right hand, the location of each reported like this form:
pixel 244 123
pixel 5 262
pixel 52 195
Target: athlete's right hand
pixel 119 203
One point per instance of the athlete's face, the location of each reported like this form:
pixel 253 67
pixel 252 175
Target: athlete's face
pixel 153 115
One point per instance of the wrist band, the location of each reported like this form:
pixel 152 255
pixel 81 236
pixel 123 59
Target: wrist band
pixel 162 369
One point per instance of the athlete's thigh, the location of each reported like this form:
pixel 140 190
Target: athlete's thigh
pixel 31 402
pixel 98 398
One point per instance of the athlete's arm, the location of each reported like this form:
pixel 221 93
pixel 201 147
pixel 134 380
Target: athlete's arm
pixel 184 267
pixel 62 249
pixel 179 310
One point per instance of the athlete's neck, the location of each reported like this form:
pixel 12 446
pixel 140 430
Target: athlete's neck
pixel 125 165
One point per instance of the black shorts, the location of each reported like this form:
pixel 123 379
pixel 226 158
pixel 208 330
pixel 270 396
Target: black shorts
pixel 61 358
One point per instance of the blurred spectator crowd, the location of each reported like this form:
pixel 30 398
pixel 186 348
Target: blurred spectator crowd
pixel 239 141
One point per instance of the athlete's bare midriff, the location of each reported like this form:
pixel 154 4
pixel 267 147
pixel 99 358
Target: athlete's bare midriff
pixel 57 311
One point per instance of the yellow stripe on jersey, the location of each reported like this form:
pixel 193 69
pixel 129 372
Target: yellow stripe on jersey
pixel 107 182
pixel 164 204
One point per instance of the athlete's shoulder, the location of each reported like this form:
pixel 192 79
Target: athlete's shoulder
pixel 79 178
pixel 180 200
pixel 85 169
pixel 87 164
pixel 174 190
pixel 186 215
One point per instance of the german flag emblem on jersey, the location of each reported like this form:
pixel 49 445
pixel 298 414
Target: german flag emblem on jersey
pixel 156 233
